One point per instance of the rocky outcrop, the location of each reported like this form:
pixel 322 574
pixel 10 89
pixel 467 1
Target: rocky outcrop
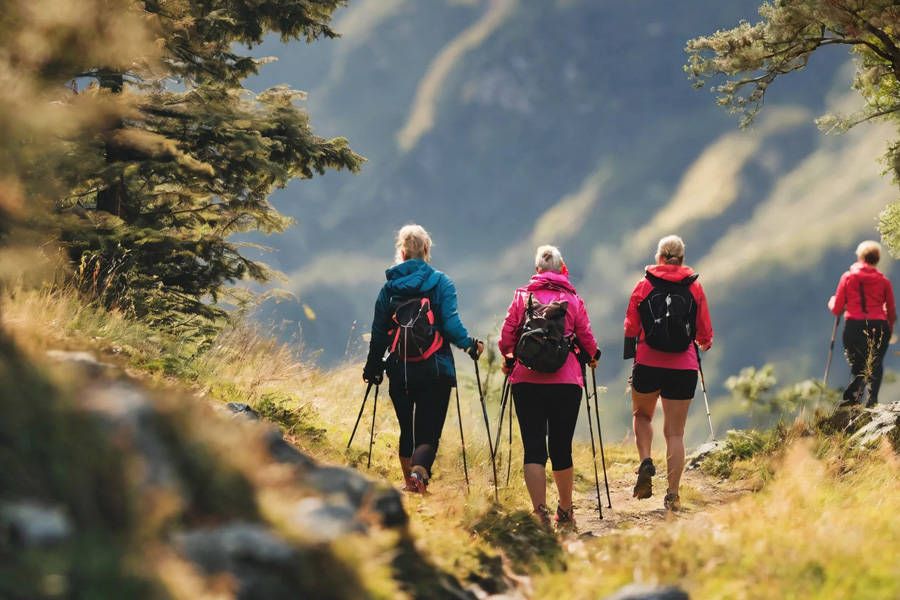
pixel 883 423
pixel 646 592
pixel 696 458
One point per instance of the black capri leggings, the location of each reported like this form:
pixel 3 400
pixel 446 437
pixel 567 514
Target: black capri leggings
pixel 858 336
pixel 430 401
pixel 547 415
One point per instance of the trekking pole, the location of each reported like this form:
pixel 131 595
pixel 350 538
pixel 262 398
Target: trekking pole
pixel 509 458
pixel 587 403
pixel 600 436
pixel 703 387
pixel 462 439
pixel 503 399
pixel 372 435
pixel 361 409
pixel 837 320
pixel 487 427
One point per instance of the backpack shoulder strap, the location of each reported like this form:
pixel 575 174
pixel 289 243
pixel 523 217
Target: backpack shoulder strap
pixel 660 281
pixel 862 297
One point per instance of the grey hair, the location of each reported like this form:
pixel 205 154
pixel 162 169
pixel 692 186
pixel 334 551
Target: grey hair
pixel 548 258
pixel 869 251
pixel 671 248
pixel 413 242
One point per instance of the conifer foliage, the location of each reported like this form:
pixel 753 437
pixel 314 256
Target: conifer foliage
pixel 754 56
pixel 158 192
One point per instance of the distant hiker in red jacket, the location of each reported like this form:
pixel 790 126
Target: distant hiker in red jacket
pixel 866 298
pixel 666 316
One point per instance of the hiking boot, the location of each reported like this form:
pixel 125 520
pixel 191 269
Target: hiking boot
pixel 848 403
pixel 542 514
pixel 672 502
pixel 418 481
pixel 565 519
pixel 644 486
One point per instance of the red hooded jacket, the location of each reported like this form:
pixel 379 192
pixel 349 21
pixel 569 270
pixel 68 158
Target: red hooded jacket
pixel 657 358
pixel 864 293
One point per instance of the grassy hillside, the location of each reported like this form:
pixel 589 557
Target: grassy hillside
pixel 792 512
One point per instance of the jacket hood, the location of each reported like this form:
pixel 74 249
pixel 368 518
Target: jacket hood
pixel 865 271
pixel 411 277
pixel 550 280
pixel 670 272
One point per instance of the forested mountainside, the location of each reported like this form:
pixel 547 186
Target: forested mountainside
pixel 514 123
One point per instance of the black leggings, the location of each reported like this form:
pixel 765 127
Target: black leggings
pixel 547 412
pixel 857 337
pixel 429 401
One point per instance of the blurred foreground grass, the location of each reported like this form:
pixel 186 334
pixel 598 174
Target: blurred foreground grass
pixel 822 523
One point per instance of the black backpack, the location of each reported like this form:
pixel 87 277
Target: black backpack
pixel 669 314
pixel 415 336
pixel 543 345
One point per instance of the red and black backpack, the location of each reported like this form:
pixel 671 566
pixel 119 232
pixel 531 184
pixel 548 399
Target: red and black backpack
pixel 414 335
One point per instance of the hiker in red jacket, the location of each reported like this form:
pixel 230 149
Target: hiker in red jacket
pixel 866 298
pixel 666 316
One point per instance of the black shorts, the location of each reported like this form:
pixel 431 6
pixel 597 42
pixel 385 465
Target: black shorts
pixel 672 384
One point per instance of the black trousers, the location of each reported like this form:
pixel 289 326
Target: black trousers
pixel 421 410
pixel 860 339
pixel 547 414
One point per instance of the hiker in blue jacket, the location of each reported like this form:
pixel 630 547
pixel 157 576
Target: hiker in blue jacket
pixel 416 320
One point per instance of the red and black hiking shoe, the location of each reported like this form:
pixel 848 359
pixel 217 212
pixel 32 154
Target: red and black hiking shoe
pixel 418 481
pixel 644 486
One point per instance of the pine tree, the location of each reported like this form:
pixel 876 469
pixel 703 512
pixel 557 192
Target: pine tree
pixel 195 162
pixel 754 56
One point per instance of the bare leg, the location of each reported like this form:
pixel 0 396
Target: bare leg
pixel 536 482
pixel 565 480
pixel 675 413
pixel 643 407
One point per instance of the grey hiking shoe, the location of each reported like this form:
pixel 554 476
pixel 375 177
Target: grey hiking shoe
pixel 542 514
pixel 672 502
pixel 644 486
pixel 565 520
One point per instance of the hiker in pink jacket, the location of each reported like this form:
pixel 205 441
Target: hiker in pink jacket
pixel 547 402
pixel 866 298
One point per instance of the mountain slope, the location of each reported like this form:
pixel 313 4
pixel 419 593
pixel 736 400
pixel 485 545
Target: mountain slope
pixel 500 125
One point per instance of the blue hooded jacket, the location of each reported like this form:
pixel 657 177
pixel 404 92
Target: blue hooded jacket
pixel 411 279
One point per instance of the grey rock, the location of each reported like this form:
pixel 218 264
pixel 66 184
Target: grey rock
pixel 885 420
pixel 696 458
pixel 341 484
pixel 326 522
pixel 386 504
pixel 85 361
pixel 239 409
pixel 263 566
pixel 129 414
pixel 284 452
pixel 31 524
pixel 648 592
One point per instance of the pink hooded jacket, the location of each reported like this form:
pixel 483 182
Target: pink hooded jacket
pixel 547 287
pixel 864 281
pixel 651 357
